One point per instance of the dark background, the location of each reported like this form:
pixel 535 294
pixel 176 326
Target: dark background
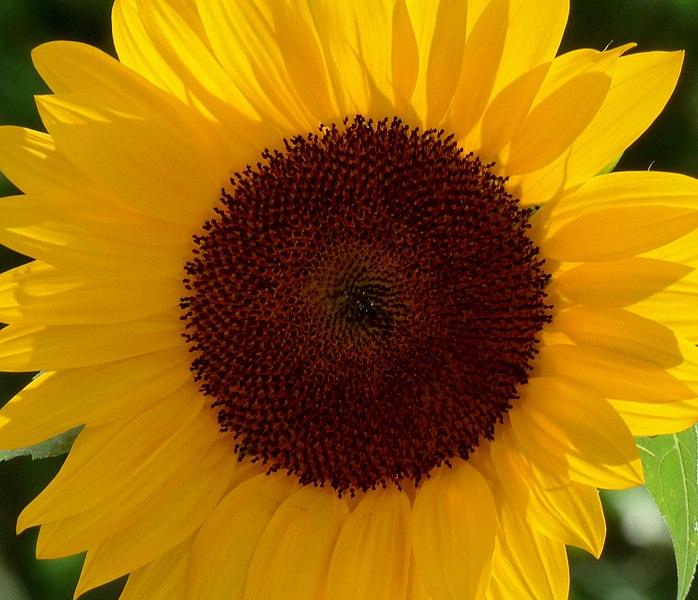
pixel 638 563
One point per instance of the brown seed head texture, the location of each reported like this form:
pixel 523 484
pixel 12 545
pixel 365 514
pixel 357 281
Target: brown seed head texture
pixel 364 305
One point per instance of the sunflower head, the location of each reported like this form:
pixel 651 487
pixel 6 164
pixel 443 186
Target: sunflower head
pixel 339 330
pixel 338 297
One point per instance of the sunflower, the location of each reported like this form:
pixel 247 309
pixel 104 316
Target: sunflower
pixel 340 298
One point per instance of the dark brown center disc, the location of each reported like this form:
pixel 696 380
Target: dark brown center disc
pixel 364 305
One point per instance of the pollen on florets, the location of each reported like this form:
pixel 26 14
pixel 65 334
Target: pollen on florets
pixel 364 304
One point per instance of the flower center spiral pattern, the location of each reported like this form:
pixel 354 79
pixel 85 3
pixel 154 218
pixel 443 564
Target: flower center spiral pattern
pixel 364 305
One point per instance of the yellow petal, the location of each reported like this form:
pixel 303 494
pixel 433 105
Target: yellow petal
pixel 507 111
pixel 224 546
pixel 527 564
pixel 57 188
pixel 75 68
pixel 136 50
pixel 167 526
pixel 154 165
pixel 372 555
pixel 568 100
pixel 38 293
pixel 404 56
pixel 355 37
pixel 177 36
pixel 299 47
pixel 570 65
pixel 627 189
pixel 136 501
pixel 36 413
pixel 533 37
pixel 115 453
pixel 622 332
pixel 687 370
pixel 69 67
pixel 556 424
pixel 682 250
pixel 556 122
pixel 246 470
pixel 655 209
pixel 33 231
pixel 415 585
pixel 453 529
pixel 297 546
pixel 482 53
pixel 31 161
pixel 619 282
pixel 445 58
pixel 644 418
pixel 556 507
pixel 163 579
pixel 611 374
pixel 674 307
pixel 596 236
pixel 642 84
pixel 245 54
pixel 423 16
pixel 37 348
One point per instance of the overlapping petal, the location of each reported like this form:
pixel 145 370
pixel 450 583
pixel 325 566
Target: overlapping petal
pixel 114 452
pixel 297 546
pixel 528 565
pixel 162 529
pixel 162 579
pixel 453 526
pixel 642 84
pixel 100 135
pixel 558 508
pixel 372 555
pixel 556 426
pixel 35 414
pixel 224 546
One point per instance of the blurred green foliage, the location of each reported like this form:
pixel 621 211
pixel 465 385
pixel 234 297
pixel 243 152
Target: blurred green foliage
pixel 635 565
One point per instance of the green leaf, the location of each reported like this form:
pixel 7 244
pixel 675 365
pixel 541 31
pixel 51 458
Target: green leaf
pixel 670 463
pixel 55 446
